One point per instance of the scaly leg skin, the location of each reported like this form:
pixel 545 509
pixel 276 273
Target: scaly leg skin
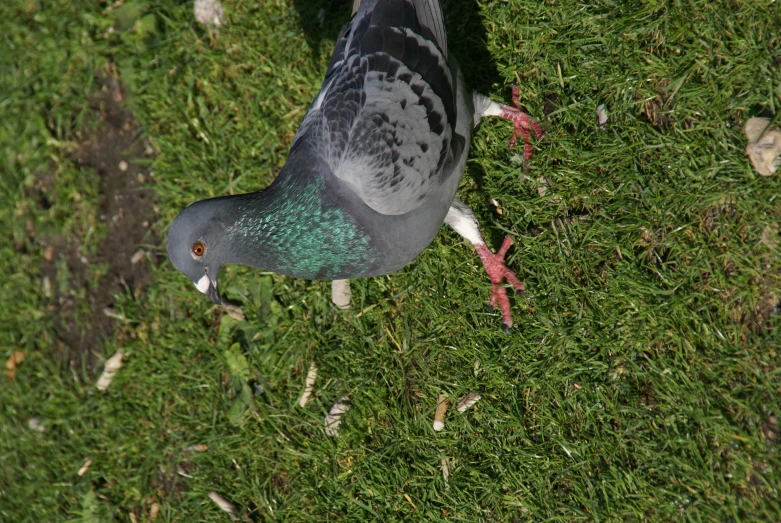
pixel 463 221
pixel 523 123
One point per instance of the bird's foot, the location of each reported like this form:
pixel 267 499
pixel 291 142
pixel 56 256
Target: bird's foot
pixel 523 123
pixel 498 271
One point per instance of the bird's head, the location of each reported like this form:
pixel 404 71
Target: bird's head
pixel 195 246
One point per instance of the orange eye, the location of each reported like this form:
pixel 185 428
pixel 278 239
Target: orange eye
pixel 198 249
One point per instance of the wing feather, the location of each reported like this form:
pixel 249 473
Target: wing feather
pixel 384 118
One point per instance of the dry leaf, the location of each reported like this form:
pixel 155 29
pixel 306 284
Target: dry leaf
pixel 309 385
pixel 154 510
pixel 542 189
pixel 445 466
pixel 36 424
pixel 764 150
pixel 113 364
pixel 601 116
pixel 12 363
pixel 769 235
pixel 234 312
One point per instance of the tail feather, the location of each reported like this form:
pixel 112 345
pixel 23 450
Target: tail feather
pixel 429 15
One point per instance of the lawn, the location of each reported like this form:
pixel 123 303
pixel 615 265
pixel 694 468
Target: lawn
pixel 642 379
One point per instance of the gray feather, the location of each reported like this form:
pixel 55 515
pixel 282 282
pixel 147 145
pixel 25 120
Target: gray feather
pixel 384 119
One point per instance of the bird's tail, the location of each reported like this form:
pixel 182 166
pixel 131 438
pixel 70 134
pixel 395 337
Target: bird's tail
pixel 428 12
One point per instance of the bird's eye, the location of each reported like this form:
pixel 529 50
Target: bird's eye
pixel 198 249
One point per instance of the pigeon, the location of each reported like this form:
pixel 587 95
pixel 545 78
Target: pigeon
pixel 372 172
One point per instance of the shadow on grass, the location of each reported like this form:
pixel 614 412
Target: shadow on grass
pixel 321 21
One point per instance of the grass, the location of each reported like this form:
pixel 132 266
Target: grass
pixel 642 377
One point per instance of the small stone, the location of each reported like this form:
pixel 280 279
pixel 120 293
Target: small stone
pixel 601 116
pixel 48 253
pixel 36 425
pixel 123 166
pixel 341 293
pixel 208 13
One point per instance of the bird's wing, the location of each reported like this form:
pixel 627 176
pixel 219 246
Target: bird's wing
pixel 383 120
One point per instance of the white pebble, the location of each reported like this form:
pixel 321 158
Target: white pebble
pixel 341 293
pixel 601 116
pixel 36 424
pixel 208 13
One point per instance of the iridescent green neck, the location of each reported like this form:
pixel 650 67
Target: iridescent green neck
pixel 290 228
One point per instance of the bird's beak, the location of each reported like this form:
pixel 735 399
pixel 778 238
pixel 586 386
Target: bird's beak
pixel 209 288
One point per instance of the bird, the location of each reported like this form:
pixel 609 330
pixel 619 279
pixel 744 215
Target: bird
pixel 373 169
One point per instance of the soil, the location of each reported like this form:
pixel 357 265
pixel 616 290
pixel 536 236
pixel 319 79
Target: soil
pixel 119 154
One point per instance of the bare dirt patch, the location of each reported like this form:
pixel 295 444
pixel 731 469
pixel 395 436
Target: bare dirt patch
pixel 119 154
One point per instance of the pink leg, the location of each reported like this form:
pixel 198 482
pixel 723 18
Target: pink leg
pixel 497 271
pixel 523 123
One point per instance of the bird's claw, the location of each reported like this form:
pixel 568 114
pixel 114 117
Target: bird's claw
pixel 497 271
pixel 523 123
